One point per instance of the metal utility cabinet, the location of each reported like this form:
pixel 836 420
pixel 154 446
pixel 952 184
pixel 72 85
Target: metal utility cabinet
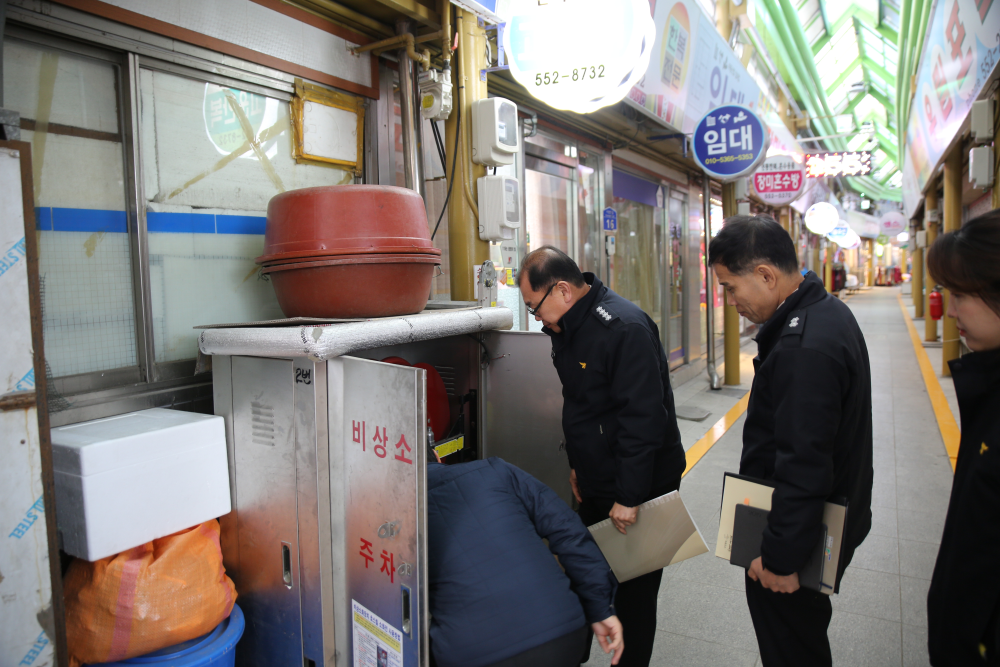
pixel 327 540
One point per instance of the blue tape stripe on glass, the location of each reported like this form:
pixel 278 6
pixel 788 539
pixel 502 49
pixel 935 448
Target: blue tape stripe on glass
pixel 43 219
pixel 180 223
pixel 96 220
pixel 239 224
pixel 88 220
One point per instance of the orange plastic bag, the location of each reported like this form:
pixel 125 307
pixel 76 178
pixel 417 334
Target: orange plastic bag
pixel 156 595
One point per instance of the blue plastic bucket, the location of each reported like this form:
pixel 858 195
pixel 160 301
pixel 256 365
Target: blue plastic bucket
pixel 217 648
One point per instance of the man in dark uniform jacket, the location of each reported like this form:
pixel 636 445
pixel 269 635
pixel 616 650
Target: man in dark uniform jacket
pixel 621 430
pixel 808 429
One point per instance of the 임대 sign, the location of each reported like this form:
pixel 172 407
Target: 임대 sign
pixel 577 55
pixel 729 142
pixel 845 163
pixel 779 180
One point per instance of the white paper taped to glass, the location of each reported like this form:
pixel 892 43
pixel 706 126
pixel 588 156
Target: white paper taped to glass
pixel 663 534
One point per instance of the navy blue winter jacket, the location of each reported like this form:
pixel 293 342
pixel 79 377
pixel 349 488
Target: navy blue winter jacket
pixel 495 589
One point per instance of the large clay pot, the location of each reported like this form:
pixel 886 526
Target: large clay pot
pixel 354 286
pixel 345 220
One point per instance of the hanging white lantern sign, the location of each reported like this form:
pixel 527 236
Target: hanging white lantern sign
pixel 892 223
pixel 578 56
pixel 821 218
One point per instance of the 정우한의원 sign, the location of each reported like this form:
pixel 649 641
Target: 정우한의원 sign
pixel 729 142
pixel 845 163
pixel 779 180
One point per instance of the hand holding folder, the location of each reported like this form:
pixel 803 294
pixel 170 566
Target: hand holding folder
pixel 746 503
pixel 663 534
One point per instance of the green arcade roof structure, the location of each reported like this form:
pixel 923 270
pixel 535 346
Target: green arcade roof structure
pixel 840 59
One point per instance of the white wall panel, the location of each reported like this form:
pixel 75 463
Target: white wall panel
pixel 256 27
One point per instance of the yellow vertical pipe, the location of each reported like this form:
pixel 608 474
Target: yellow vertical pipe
pixel 731 317
pixel 917 275
pixel 870 272
pixel 951 346
pixel 465 249
pixel 831 248
pixel 931 223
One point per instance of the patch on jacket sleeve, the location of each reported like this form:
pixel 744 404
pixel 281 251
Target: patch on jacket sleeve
pixel 796 323
pixel 604 314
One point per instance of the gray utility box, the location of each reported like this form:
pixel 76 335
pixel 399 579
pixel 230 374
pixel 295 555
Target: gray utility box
pixel 327 540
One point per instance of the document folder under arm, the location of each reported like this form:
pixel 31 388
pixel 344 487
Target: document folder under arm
pixel 819 573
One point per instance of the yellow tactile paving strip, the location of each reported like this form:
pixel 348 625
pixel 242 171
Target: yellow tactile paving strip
pixel 700 448
pixel 950 433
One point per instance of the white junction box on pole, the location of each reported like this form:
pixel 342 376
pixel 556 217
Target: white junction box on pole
pixel 499 208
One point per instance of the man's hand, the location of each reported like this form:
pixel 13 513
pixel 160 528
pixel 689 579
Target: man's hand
pixel 576 489
pixel 772 581
pixel 610 637
pixel 623 517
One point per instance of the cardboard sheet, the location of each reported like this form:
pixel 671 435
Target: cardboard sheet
pixel 664 533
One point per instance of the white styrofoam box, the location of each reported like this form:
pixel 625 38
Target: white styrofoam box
pixel 125 480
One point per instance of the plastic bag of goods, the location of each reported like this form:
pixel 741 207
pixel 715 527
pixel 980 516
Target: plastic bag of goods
pixel 156 595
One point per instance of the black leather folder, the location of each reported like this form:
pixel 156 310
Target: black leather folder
pixel 748 533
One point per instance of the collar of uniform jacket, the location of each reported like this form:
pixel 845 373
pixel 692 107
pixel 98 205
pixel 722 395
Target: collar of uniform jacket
pixel 809 292
pixel 576 315
pixel 976 376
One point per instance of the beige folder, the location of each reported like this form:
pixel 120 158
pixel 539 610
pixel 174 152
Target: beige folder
pixel 663 534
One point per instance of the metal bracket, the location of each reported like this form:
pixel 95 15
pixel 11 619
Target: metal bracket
pixel 501 55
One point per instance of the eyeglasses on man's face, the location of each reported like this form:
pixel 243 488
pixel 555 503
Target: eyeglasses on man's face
pixel 532 311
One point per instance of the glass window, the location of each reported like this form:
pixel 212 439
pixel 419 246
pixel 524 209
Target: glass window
pixel 212 158
pixel 635 266
pixel 677 216
pixel 70 113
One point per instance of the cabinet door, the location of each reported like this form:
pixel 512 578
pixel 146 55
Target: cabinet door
pixel 523 407
pixel 267 578
pixel 378 475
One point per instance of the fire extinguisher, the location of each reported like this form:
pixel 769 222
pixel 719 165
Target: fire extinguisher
pixel 936 304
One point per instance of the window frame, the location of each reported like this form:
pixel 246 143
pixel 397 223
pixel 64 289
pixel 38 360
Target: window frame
pixel 148 383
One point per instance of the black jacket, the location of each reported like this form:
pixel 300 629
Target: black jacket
pixel 809 425
pixel 962 606
pixel 618 407
pixel 495 589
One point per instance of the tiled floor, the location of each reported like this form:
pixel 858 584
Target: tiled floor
pixel 879 616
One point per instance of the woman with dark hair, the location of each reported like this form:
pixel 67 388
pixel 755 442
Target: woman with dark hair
pixel 963 606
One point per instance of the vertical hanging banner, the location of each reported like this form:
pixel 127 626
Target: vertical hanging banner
pixel 691 70
pixel 729 142
pixel 960 53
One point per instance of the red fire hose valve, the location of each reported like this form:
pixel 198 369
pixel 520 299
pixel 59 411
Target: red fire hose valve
pixel 936 305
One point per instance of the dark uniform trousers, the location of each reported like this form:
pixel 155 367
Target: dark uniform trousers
pixel 791 628
pixel 635 601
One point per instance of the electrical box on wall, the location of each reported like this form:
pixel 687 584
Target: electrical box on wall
pixel 981 120
pixel 495 137
pixel 921 239
pixel 743 208
pixel 981 167
pixel 499 208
